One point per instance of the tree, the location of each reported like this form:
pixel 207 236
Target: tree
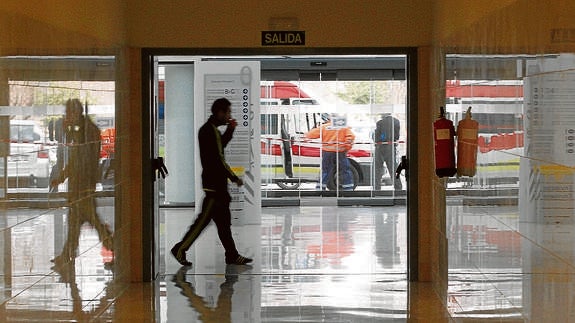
pixel 55 93
pixel 373 92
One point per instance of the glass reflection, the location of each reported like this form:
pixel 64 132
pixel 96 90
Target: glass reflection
pixel 79 165
pixel 58 187
pixel 485 246
pixel 334 239
pixel 81 289
pixel 335 259
pixel 510 227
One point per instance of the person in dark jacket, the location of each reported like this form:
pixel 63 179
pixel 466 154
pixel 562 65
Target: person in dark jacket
pixel 215 175
pixel 385 138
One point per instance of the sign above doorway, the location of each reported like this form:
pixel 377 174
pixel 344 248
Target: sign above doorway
pixel 283 38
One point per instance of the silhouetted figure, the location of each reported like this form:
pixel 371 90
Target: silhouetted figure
pixel 215 175
pixel 385 137
pixel 79 164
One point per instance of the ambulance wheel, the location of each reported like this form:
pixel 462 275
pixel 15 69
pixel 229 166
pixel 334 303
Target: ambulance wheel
pixel 331 183
pixel 288 185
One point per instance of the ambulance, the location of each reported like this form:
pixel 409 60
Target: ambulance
pixel 288 159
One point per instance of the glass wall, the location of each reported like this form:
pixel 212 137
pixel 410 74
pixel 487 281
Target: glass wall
pixel 482 210
pixel 303 134
pixel 515 216
pixel 333 134
pixel 330 127
pixel 57 187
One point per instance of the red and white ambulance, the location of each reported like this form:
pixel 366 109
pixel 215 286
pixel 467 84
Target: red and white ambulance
pixel 288 159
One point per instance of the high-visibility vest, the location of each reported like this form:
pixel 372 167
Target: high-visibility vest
pixel 333 139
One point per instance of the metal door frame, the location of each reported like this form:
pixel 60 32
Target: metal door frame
pixel 148 55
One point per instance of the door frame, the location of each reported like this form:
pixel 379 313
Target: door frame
pixel 148 55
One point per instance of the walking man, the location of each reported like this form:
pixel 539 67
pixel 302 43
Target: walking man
pixel 215 175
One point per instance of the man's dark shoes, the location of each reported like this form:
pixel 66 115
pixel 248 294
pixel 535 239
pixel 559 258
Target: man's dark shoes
pixel 238 260
pixel 180 255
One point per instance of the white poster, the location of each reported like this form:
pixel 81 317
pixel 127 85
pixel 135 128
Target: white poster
pixel 239 82
pixel 547 173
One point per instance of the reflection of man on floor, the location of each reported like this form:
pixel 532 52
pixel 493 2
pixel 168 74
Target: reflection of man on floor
pixel 79 311
pixel 80 165
pixel 222 311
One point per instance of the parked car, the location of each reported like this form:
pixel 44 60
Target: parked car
pixel 29 160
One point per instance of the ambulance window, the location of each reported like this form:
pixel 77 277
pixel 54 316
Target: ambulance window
pixel 289 123
pixel 303 102
pixel 311 120
pixel 269 102
pixel 269 124
pixel 299 123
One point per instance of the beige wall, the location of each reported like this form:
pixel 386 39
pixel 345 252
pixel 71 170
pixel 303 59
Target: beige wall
pixel 182 23
pixel 61 25
pixel 520 26
pixel 451 15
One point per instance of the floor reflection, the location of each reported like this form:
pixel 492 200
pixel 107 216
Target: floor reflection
pixel 210 308
pixel 503 266
pixel 313 263
pixel 36 290
pixel 332 264
pixel 340 264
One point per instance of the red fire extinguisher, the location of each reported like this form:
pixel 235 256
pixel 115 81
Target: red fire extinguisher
pixel 443 135
pixel 467 145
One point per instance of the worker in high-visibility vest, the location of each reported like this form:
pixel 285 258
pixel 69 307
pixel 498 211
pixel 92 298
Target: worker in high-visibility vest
pixel 337 139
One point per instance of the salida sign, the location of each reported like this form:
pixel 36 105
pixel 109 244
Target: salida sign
pixel 283 38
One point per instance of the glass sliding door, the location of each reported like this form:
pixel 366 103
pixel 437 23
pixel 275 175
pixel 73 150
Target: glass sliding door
pixel 319 128
pixel 330 127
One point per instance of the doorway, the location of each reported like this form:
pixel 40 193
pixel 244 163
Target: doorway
pixel 299 93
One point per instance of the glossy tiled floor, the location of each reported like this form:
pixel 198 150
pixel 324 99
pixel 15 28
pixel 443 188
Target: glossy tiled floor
pixel 35 288
pixel 312 264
